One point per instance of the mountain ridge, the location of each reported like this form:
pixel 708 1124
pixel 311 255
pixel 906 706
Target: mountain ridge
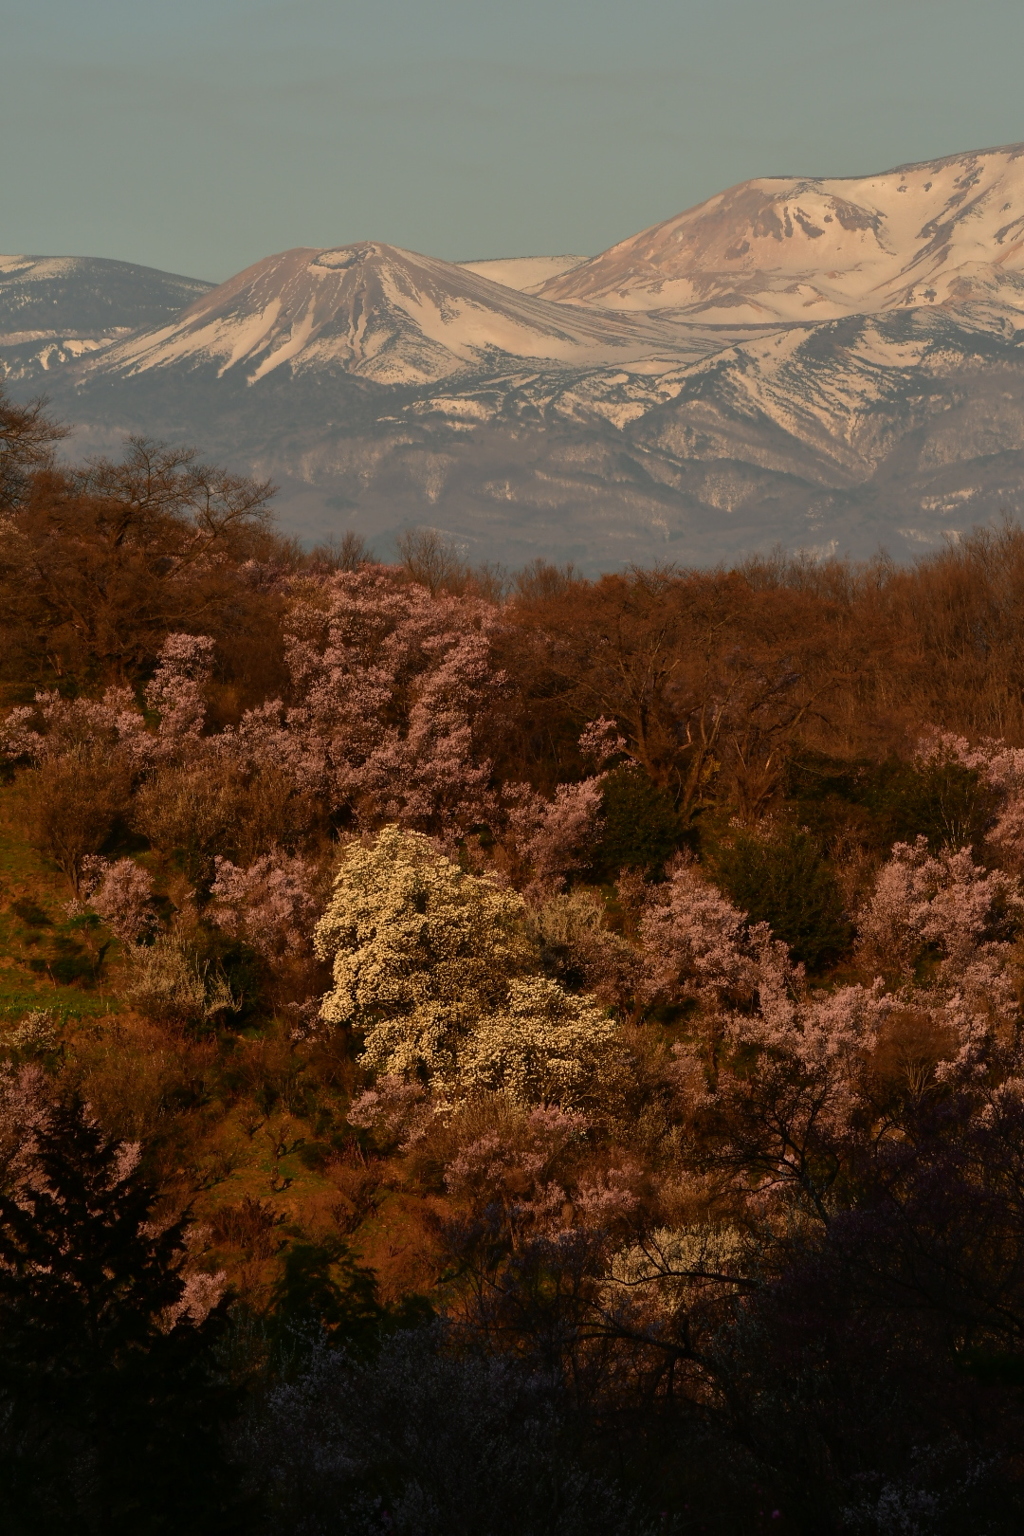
pixel 386 314
pixel 56 309
pixel 663 399
pixel 727 255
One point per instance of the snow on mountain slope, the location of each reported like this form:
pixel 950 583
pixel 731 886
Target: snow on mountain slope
pixel 823 364
pixel 899 429
pixel 943 232
pixel 388 315
pixel 55 309
pixel 526 273
pixel 830 401
pixel 840 400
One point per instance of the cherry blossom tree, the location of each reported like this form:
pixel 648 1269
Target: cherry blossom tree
pixel 53 726
pixel 273 904
pixel 945 902
pixel 122 894
pixel 177 687
pixel 390 690
pixel 551 838
pixel 999 766
pixel 695 943
pixel 24 1109
pixel 601 741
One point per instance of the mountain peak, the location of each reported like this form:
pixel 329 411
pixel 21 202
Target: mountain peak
pixel 381 313
pixel 815 248
pixel 819 362
pixel 55 309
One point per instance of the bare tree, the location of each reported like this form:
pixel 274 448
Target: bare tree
pixel 27 437
pixel 431 559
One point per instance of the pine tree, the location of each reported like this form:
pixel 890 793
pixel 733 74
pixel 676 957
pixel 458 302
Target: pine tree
pixel 111 1417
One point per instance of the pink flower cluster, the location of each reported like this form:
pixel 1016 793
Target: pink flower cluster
pixel 552 837
pixel 391 701
pixel 24 1109
pixel 396 1108
pixel 273 904
pixel 601 741
pixel 122 894
pixel 1000 767
pixel 802 1059
pixel 52 726
pixel 695 942
pixel 177 688
pixel 945 901
pixel 389 689
pixel 529 1171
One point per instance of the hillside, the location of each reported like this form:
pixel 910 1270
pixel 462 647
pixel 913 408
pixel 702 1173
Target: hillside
pixel 441 1013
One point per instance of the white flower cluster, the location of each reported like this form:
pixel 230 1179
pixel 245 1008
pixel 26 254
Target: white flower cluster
pixel 435 968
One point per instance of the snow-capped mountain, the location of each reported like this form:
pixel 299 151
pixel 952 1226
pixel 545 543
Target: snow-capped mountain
pixel 948 231
pixel 55 309
pixel 820 364
pixel 388 315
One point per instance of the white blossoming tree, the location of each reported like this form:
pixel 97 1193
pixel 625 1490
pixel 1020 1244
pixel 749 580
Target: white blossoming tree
pixel 434 968
pixel 544 1046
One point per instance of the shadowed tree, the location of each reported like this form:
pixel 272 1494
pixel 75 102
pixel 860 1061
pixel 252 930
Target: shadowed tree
pixel 110 1405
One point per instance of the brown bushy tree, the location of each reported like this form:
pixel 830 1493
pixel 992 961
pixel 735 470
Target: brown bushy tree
pixel 100 562
pixel 27 436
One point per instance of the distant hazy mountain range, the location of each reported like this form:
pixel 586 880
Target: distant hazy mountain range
pixel 825 364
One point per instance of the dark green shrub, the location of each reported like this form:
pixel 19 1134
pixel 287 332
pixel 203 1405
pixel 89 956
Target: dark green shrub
pixel 784 881
pixel 641 826
pixel 893 801
pixel 31 913
pixel 944 802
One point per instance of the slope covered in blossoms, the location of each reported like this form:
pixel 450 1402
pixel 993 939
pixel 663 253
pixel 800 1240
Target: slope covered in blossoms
pixel 501 1053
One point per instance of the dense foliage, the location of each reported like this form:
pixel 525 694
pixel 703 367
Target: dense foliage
pixel 490 1054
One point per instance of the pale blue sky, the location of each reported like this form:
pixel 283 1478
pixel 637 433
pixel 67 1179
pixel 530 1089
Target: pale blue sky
pixel 200 135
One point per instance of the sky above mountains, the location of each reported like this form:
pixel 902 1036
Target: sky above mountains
pixel 198 136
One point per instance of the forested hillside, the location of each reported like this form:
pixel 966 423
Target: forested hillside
pixel 492 1053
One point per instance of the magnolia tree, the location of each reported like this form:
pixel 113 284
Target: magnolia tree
pixel 434 968
pixel 544 1046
